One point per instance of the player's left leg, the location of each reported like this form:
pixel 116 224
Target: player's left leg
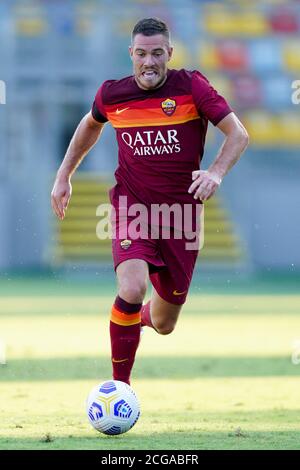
pixel 170 285
pixel 160 314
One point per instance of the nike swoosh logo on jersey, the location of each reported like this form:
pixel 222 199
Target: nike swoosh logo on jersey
pixel 178 293
pixel 121 360
pixel 119 111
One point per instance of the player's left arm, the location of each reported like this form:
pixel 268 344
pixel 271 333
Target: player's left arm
pixel 205 183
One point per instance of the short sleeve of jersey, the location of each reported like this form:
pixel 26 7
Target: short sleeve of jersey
pixel 98 111
pixel 207 100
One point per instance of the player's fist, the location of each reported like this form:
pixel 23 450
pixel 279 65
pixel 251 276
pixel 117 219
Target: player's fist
pixel 60 196
pixel 205 184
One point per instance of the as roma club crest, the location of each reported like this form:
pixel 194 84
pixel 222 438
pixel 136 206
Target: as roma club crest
pixel 168 106
pixel 125 244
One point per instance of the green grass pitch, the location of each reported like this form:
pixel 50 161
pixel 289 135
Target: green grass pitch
pixel 223 380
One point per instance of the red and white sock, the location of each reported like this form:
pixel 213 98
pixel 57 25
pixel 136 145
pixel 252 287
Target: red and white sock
pixel 125 330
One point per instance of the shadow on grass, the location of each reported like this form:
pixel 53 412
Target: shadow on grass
pixel 148 368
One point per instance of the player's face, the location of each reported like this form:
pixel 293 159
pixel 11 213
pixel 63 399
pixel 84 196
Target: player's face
pixel 150 55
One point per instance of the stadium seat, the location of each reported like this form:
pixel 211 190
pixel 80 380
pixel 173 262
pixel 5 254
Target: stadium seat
pixel 289 129
pixel 291 55
pixel 30 19
pixel 247 91
pixel 265 55
pixel 181 57
pixel 232 55
pixel 32 27
pixel 280 130
pixel 83 26
pixel 208 56
pixel 85 14
pixel 221 240
pixel 76 237
pixel 276 91
pixel 219 24
pixel 252 23
pixel 284 21
pixel 263 128
pixel 236 24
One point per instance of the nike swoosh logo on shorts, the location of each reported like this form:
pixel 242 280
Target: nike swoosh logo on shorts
pixel 119 111
pixel 178 293
pixel 121 360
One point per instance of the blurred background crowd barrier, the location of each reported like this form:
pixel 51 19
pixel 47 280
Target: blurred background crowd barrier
pixel 53 57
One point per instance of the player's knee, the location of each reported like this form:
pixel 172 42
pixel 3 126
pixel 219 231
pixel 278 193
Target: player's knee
pixel 133 292
pixel 164 328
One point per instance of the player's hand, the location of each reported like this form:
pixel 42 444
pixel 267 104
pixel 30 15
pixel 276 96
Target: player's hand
pixel 204 184
pixel 60 196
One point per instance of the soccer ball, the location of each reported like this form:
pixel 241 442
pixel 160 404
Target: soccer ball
pixel 112 407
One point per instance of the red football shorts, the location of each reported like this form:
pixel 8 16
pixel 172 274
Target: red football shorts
pixel 171 261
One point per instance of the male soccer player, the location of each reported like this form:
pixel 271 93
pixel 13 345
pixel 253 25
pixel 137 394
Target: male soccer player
pixel 160 116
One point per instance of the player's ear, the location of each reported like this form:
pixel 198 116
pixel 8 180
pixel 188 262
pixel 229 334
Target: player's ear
pixel 130 49
pixel 170 53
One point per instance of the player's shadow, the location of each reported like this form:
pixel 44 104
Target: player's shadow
pixel 154 367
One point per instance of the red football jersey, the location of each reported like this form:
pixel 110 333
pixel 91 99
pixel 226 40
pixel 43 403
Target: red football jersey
pixel 160 133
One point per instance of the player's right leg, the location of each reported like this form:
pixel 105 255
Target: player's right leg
pixel 133 258
pixel 132 276
pixel 125 324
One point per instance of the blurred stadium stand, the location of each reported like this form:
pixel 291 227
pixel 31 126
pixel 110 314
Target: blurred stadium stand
pixel 53 57
pixel 76 240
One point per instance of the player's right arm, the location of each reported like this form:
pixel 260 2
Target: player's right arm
pixel 84 138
